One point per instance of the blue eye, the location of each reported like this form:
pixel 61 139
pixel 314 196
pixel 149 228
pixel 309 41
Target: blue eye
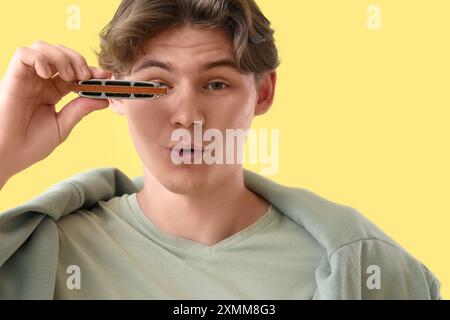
pixel 218 82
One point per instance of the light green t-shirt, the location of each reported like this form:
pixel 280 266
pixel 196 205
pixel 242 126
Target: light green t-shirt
pixel 88 232
pixel 114 251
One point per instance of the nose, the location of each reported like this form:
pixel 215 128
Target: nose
pixel 187 111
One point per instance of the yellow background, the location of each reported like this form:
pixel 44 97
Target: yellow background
pixel 363 114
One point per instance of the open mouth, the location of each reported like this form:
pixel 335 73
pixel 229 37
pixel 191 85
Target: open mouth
pixel 186 153
pixel 189 151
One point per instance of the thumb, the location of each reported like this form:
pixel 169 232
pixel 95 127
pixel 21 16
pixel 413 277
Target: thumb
pixel 74 111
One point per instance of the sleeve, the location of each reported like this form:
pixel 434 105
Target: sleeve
pixel 374 269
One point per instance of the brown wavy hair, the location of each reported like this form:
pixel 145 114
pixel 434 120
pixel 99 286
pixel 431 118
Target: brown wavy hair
pixel 136 21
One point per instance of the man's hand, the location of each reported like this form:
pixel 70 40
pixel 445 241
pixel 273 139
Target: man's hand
pixel 36 79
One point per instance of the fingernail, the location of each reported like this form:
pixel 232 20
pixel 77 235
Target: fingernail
pixel 105 73
pixel 48 71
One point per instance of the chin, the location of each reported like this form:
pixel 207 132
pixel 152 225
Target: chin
pixel 190 179
pixel 186 181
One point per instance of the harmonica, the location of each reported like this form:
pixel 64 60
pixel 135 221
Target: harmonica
pixel 119 89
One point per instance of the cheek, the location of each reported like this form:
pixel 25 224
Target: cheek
pixel 145 123
pixel 237 114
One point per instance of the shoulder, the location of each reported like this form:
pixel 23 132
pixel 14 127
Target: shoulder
pixel 100 213
pixel 355 248
pixel 332 224
pixel 363 261
pixel 374 269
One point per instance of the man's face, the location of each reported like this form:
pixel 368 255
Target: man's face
pixel 220 97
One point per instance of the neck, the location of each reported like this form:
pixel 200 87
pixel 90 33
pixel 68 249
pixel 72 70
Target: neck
pixel 207 218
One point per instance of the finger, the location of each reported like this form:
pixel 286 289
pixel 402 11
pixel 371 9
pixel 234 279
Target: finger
pixel 100 73
pixel 72 113
pixel 64 86
pixel 56 57
pixel 78 63
pixel 32 59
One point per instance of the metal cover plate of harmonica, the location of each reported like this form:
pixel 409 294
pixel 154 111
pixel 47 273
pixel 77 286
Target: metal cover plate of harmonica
pixel 122 89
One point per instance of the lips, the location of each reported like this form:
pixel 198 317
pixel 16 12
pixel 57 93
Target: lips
pixel 186 152
pixel 186 148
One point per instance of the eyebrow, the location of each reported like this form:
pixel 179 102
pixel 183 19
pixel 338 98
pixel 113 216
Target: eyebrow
pixel 148 63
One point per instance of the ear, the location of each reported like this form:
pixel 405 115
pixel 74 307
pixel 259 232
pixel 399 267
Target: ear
pixel 116 104
pixel 266 92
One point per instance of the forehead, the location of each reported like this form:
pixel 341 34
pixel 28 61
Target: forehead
pixel 186 46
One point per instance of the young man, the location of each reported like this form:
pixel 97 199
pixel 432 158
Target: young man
pixel 181 231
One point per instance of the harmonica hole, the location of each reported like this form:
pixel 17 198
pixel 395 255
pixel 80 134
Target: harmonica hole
pixel 139 84
pixel 92 94
pixel 118 95
pixel 144 95
pixel 117 83
pixel 91 82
